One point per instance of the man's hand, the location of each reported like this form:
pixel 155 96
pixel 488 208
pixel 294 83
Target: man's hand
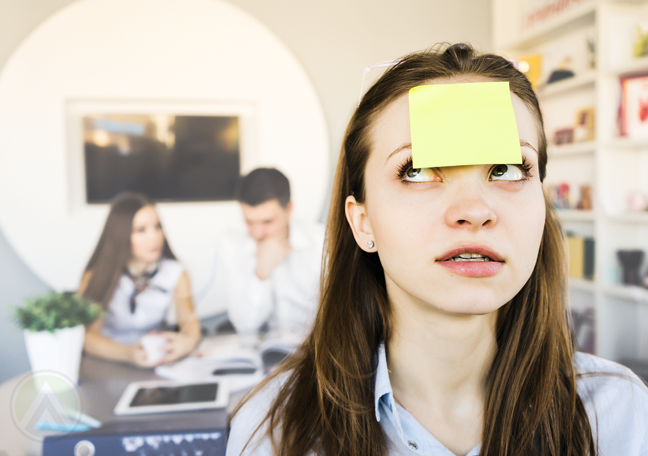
pixel 270 252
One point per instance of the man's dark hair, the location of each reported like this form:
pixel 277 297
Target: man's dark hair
pixel 262 185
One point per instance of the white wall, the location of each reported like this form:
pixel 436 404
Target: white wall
pixel 333 40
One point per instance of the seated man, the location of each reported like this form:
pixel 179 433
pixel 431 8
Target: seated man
pixel 270 274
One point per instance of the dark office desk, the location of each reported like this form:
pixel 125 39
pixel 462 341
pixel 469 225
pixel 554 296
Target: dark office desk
pixel 101 385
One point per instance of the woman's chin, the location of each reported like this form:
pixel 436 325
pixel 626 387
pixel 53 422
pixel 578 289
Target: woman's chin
pixel 475 302
pixel 463 309
pixel 150 258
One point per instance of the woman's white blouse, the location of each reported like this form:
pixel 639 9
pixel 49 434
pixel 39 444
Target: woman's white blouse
pixel 616 401
pixel 152 304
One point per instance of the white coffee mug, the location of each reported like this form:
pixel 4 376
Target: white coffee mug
pixel 152 344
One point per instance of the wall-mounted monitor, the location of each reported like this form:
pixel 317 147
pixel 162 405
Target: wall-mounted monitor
pixel 167 157
pixel 171 152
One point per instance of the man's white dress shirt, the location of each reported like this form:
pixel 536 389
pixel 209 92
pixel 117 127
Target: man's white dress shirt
pixel 288 299
pixel 615 399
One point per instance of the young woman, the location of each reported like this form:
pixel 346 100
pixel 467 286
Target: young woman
pixel 136 277
pixel 441 328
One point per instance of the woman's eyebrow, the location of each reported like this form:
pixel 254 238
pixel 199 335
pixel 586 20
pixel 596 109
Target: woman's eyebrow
pixel 525 143
pixel 402 147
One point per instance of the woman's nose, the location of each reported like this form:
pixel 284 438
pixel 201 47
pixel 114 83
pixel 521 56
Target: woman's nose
pixel 469 208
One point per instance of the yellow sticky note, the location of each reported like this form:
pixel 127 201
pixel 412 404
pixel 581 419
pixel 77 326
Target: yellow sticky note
pixel 463 124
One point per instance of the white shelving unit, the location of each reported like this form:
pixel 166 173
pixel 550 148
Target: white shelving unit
pixel 629 218
pixel 570 215
pixel 627 293
pixel 628 143
pixel 584 148
pixel 561 87
pixel 612 166
pixel 582 285
pixel 635 66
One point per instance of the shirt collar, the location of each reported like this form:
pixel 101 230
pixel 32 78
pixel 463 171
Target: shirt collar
pixel 382 385
pixel 410 431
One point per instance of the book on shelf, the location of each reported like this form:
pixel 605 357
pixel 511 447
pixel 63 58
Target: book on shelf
pixel 581 256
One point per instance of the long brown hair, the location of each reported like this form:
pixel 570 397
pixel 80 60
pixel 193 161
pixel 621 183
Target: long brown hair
pixel 113 251
pixel 326 405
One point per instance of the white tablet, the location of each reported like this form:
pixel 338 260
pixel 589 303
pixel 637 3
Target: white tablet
pixel 160 396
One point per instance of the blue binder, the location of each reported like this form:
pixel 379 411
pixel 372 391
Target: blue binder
pixel 185 436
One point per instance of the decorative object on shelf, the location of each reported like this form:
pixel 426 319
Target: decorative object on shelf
pixel 563 136
pixel 591 49
pixel 581 256
pixel 559 195
pixel 552 190
pixel 583 329
pixel 630 264
pixel 633 110
pixel 531 66
pixel 563 195
pixel 585 201
pixel 584 130
pixel 538 13
pixel 54 329
pixel 562 72
pixel 561 199
pixel 637 202
pixel 641 41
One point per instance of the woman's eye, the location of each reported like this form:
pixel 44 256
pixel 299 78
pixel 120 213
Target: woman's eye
pixel 421 175
pixel 507 173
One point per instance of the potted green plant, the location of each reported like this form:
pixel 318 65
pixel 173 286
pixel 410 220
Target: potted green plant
pixel 54 329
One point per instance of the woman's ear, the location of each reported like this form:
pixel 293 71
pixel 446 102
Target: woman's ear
pixel 358 219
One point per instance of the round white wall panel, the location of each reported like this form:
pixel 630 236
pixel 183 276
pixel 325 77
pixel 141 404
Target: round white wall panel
pixel 184 54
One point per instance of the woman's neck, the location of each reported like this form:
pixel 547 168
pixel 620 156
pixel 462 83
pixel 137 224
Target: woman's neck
pixel 438 363
pixel 430 350
pixel 138 267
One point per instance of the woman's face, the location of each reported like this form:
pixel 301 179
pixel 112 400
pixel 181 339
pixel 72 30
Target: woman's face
pixel 421 219
pixel 147 238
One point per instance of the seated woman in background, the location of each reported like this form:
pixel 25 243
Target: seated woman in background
pixel 441 328
pixel 135 276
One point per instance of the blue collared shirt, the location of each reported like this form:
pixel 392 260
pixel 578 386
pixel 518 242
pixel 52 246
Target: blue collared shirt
pixel 617 406
pixel 405 434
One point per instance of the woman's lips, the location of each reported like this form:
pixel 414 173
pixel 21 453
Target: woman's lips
pixel 472 268
pixel 470 248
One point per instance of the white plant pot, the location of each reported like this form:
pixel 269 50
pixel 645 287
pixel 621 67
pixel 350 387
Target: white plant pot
pixel 59 351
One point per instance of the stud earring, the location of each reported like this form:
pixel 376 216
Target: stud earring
pixel 370 244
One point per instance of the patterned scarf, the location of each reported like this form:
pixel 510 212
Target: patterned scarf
pixel 142 282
